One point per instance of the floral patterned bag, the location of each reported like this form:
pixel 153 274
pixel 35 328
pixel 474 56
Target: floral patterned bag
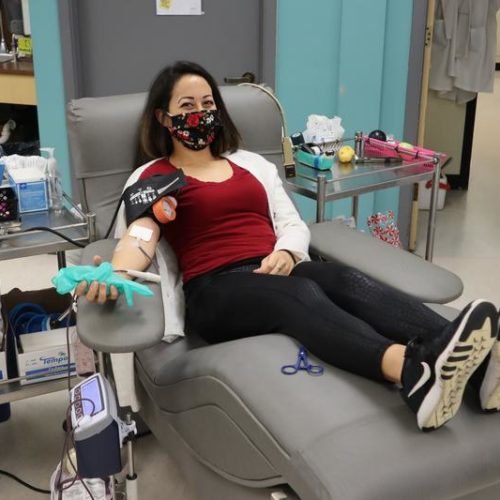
pixel 384 227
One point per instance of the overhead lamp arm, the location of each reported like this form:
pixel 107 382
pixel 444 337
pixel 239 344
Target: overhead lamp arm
pixel 286 142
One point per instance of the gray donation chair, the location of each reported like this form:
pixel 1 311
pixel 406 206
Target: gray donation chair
pixel 237 427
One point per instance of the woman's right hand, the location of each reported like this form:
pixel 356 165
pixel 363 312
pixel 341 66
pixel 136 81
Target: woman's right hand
pixel 96 292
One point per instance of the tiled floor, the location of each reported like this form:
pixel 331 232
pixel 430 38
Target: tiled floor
pixel 467 242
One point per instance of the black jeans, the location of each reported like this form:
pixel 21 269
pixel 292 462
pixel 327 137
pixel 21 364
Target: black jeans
pixel 338 313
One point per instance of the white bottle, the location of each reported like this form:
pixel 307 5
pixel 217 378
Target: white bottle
pixel 53 182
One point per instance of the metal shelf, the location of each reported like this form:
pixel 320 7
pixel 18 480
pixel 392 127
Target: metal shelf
pixel 71 221
pixel 14 391
pixel 15 243
pixel 352 180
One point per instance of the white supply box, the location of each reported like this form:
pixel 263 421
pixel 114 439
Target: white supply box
pixel 31 188
pixel 27 174
pixel 424 194
pixel 45 354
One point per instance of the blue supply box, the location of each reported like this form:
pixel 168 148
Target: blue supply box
pixel 31 188
pixel 321 161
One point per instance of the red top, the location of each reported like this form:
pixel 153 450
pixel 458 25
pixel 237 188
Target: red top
pixel 217 223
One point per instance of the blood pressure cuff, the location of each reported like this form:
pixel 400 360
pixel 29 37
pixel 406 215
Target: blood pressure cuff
pixel 143 194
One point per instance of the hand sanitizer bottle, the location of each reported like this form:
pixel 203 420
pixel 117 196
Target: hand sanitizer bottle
pixel 53 182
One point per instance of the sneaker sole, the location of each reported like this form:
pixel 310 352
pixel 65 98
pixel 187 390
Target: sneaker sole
pixel 490 388
pixel 467 349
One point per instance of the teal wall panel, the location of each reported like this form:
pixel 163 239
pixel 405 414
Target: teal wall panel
pixel 396 53
pixel 347 58
pixel 361 64
pixel 393 99
pixel 307 69
pixel 51 101
pixel 306 65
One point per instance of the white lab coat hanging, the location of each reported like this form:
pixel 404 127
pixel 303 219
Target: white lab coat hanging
pixel 464 48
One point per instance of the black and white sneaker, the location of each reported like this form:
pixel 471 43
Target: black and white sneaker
pixel 489 392
pixel 436 372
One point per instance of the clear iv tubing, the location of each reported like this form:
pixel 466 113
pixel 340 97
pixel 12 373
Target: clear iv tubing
pixel 143 275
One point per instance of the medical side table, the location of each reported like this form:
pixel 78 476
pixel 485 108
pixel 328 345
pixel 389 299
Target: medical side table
pixel 353 179
pixel 15 243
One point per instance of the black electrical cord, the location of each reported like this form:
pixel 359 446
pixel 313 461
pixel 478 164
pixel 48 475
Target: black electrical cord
pixel 68 483
pixel 113 219
pixel 9 474
pixel 53 231
pixel 24 483
pixel 68 347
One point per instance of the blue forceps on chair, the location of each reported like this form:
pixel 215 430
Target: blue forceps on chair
pixel 302 364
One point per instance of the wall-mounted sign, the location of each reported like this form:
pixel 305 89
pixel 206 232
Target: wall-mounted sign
pixel 24 45
pixel 178 8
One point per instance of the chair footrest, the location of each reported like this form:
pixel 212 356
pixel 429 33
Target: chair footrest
pixel 395 267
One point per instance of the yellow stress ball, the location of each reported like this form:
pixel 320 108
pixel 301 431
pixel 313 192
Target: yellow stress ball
pixel 345 154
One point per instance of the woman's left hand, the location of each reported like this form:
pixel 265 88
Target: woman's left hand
pixel 278 262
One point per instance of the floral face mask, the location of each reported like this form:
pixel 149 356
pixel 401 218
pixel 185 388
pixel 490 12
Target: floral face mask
pixel 197 129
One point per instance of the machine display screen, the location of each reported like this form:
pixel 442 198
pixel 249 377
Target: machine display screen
pixel 92 390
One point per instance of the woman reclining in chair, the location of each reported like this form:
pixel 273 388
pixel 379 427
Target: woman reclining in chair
pixel 242 251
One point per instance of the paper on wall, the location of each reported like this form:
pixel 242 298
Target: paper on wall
pixel 178 8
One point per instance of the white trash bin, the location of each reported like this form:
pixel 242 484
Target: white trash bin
pixel 424 193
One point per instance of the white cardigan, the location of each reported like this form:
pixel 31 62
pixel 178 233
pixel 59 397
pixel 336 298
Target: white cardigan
pixel 292 234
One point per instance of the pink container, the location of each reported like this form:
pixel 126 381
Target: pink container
pixel 374 147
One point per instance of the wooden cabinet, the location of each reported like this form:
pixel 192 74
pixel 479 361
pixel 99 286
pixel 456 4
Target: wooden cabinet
pixel 17 83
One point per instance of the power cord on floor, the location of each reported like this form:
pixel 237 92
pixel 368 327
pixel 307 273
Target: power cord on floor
pixel 24 483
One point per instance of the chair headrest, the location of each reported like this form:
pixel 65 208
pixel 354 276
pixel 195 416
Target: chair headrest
pixel 103 130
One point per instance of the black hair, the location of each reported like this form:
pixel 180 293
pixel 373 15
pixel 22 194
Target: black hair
pixel 154 139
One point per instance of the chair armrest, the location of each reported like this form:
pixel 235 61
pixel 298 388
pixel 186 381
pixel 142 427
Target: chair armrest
pixel 115 327
pixel 395 267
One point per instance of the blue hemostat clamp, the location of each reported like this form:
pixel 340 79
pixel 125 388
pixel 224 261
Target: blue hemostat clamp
pixel 69 277
pixel 302 363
